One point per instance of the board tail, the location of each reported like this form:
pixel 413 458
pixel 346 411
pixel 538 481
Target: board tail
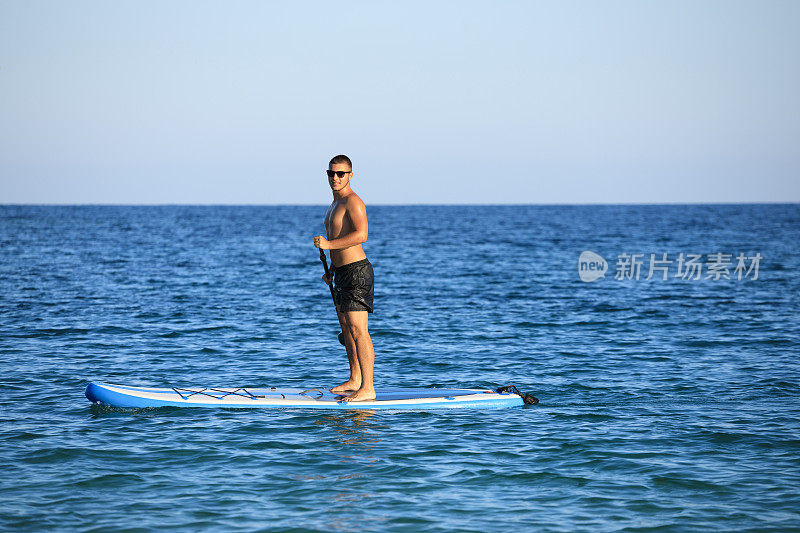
pixel 529 399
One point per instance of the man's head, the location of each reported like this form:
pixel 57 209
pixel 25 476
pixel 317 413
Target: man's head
pixel 340 170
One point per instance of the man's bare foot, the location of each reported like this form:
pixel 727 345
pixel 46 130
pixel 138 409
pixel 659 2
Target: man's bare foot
pixel 347 386
pixel 361 395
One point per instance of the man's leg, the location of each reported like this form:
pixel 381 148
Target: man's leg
pixel 354 383
pixel 357 322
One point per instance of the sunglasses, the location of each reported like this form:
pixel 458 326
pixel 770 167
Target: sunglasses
pixel 339 173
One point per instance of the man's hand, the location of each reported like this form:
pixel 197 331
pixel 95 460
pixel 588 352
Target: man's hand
pixel 326 279
pixel 322 243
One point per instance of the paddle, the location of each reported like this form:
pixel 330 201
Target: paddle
pixel 333 295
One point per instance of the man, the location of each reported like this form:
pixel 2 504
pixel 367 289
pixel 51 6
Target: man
pixel 346 228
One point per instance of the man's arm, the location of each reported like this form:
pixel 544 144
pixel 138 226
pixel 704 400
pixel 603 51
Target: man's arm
pixel 358 216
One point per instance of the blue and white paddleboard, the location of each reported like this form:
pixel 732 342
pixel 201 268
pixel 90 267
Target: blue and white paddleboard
pixel 133 397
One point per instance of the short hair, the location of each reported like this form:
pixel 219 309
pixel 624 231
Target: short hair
pixel 341 159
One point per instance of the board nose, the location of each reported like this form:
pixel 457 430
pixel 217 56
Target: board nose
pixel 92 392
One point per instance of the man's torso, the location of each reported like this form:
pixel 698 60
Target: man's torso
pixel 338 224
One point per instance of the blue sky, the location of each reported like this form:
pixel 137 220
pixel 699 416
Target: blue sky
pixel 435 102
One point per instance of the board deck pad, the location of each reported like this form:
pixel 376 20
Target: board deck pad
pixel 265 397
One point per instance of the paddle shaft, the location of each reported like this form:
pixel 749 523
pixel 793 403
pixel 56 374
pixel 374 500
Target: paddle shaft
pixel 327 273
pixel 333 295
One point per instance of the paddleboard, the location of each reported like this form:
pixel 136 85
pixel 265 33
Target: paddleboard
pixel 136 397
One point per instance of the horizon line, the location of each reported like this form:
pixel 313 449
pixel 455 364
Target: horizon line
pixel 418 204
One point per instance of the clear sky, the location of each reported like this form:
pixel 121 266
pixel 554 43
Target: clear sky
pixel 436 102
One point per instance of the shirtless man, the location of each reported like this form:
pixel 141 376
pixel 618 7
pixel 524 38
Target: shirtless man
pixel 346 227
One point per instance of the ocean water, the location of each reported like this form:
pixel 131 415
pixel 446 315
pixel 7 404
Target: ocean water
pixel 669 405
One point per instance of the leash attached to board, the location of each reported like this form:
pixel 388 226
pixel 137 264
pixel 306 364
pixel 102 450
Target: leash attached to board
pixel 333 295
pixel 529 399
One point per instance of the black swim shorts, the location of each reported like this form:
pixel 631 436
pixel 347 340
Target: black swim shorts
pixel 354 286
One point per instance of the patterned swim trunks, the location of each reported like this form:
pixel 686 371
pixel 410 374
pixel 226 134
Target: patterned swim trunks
pixel 354 286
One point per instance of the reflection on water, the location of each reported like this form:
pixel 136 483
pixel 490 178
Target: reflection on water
pixel 97 410
pixel 360 432
pixel 354 426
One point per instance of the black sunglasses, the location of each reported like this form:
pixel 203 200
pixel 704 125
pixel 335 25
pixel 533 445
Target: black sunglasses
pixel 339 173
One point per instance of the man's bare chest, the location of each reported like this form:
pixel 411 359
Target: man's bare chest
pixel 336 219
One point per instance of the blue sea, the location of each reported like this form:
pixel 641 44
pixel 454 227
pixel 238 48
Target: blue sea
pixel 665 404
